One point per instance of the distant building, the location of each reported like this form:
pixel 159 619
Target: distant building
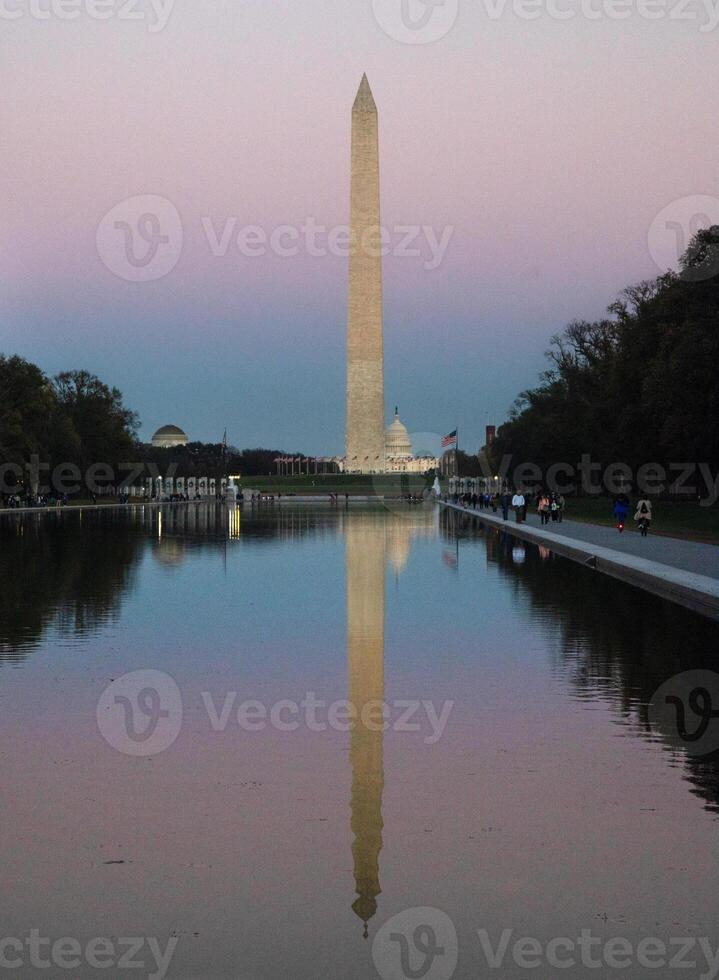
pixel 399 457
pixel 168 437
pixel 397 441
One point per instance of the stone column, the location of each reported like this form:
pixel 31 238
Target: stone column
pixel 365 376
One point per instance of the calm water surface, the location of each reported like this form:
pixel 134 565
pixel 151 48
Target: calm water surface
pixel 527 792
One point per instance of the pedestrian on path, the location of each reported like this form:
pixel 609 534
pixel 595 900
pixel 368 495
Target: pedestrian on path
pixel 543 507
pixel 505 502
pixel 643 516
pixel 519 504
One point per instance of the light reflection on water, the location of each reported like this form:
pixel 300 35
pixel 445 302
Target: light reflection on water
pixel 542 807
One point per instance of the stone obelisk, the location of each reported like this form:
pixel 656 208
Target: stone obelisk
pixel 365 446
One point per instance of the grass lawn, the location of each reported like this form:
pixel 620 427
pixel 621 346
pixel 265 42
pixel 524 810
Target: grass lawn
pixel 390 484
pixel 674 519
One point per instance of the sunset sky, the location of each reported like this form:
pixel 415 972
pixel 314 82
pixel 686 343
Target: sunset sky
pixel 548 147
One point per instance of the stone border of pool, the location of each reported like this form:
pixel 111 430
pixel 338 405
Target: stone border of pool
pixel 270 499
pixel 76 508
pixel 699 593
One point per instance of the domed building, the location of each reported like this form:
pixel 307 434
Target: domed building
pixel 399 457
pixel 398 451
pixel 169 436
pixel 398 445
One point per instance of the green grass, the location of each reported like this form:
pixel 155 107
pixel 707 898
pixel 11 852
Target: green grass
pixel 388 484
pixel 671 518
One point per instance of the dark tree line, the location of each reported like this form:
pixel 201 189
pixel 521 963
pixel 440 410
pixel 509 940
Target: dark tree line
pixel 75 419
pixel 641 385
pixel 71 418
pixel 211 459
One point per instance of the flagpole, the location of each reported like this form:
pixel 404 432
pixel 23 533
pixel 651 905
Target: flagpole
pixel 224 458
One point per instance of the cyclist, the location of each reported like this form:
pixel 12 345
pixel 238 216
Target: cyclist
pixel 621 510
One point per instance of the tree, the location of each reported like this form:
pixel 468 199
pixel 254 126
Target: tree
pixel 105 427
pixel 636 387
pixel 33 427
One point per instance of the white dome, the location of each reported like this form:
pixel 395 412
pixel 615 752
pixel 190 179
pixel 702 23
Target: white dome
pixel 169 436
pixel 397 441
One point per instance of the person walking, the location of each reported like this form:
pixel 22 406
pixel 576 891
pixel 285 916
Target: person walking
pixel 643 516
pixel 519 504
pixel 543 508
pixel 505 502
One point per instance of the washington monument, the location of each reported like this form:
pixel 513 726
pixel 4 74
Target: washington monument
pixel 365 445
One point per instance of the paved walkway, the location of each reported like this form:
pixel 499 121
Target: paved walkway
pixel 691 556
pixel 686 572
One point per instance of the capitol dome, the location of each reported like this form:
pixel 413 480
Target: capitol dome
pixel 169 436
pixel 397 441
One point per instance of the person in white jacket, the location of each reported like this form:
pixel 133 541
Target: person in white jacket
pixel 519 503
pixel 643 515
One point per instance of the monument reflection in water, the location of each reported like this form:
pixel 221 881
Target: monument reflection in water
pixel 372 542
pixel 366 554
pixel 548 796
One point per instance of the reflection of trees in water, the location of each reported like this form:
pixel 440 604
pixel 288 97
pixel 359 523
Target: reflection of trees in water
pixel 617 642
pixel 70 569
pixel 211 523
pixel 66 570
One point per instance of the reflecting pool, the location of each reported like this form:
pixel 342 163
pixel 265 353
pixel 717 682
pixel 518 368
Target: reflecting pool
pixel 315 742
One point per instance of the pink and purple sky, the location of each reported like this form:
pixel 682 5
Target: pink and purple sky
pixel 548 146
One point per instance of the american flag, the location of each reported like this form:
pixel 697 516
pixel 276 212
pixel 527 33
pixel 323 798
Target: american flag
pixel 448 440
